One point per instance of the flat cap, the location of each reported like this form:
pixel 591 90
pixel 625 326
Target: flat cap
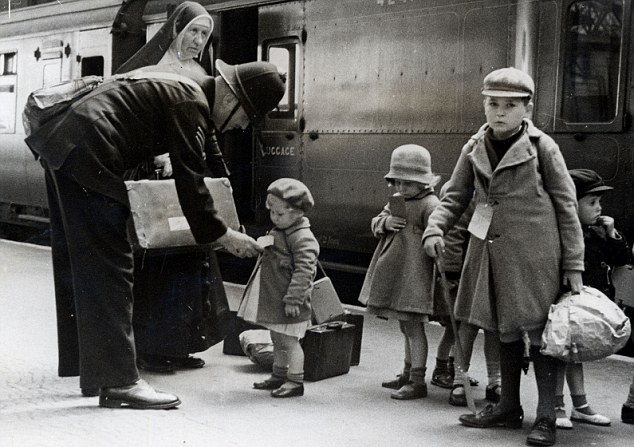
pixel 508 82
pixel 588 182
pixel 293 192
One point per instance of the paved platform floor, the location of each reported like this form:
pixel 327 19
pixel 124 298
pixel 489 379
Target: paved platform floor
pixel 219 408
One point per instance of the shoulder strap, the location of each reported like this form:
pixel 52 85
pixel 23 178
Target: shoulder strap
pixel 157 75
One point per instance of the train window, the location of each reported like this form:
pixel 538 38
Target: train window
pixel 92 66
pixel 593 65
pixel 283 54
pixel 8 81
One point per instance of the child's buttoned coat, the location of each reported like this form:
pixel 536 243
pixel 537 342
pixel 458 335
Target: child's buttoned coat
pixel 287 272
pixel 511 278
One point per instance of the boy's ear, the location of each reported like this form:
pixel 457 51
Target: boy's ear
pixel 529 109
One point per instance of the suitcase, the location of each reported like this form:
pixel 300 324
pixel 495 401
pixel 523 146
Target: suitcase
pixel 231 344
pixel 327 350
pixel 157 218
pixel 357 321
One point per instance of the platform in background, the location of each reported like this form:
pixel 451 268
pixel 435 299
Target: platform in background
pixel 220 408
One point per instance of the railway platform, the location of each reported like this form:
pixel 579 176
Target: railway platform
pixel 39 409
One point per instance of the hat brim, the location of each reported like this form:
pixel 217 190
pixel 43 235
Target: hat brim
pixel 506 94
pixel 598 190
pixel 228 73
pixel 426 179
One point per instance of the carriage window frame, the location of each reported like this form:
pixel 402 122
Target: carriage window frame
pixel 569 30
pixel 287 60
pixel 8 91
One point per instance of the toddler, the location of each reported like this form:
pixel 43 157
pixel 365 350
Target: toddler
pixel 399 279
pixel 604 248
pixel 278 294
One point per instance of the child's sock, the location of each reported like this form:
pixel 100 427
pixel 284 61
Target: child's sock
pixel 546 376
pixel 417 375
pixel 279 372
pixel 511 358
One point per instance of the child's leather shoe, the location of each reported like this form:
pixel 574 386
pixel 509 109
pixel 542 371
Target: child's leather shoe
pixel 282 391
pixel 457 396
pixel 578 415
pixel 442 378
pixel 543 432
pixel 410 391
pixel 491 416
pixel 395 384
pixel 272 383
pixel 627 414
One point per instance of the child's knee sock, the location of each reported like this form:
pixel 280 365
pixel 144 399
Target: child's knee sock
pixel 296 363
pixel 417 376
pixel 280 371
pixel 546 368
pixel 511 357
pixel 492 358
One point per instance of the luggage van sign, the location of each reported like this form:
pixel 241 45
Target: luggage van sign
pixel 278 151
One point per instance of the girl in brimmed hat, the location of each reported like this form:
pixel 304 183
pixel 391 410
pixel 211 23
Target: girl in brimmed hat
pixel 399 278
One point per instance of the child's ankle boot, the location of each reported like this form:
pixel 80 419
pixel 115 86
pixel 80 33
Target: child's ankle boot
pixel 400 380
pixel 441 376
pixel 416 388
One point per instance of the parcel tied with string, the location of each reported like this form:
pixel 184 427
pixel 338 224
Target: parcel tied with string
pixel 585 326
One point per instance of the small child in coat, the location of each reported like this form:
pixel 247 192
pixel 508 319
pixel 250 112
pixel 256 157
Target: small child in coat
pixel 278 294
pixel 399 279
pixel 605 248
pixel 526 242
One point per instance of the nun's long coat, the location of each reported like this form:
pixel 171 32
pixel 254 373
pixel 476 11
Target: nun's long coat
pixel 511 278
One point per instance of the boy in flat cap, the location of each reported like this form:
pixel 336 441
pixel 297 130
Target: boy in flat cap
pixel 278 294
pixel 526 242
pixel 605 249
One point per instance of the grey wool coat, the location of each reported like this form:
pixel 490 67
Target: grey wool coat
pixel 399 277
pixel 510 279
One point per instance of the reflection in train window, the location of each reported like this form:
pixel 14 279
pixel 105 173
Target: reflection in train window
pixel 8 80
pixel 284 56
pixel 593 35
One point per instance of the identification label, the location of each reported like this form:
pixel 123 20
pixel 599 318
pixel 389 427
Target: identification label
pixel 178 223
pixel 481 220
pixel 265 241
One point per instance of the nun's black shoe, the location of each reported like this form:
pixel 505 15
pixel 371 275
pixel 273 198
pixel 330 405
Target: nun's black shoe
pixel 90 392
pixel 188 362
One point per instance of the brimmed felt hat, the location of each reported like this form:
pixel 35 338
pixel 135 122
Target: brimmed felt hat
pixel 259 86
pixel 293 192
pixel 508 82
pixel 411 162
pixel 588 182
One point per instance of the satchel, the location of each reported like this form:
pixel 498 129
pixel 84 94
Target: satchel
pixel 157 217
pixel 324 300
pixel 584 327
pixel 46 103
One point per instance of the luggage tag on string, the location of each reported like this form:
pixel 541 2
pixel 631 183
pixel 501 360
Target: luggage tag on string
pixel 265 241
pixel 481 220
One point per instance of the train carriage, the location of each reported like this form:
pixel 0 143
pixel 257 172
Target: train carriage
pixel 364 76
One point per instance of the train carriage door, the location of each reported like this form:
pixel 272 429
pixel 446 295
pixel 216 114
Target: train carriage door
pixel 93 50
pixel 279 147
